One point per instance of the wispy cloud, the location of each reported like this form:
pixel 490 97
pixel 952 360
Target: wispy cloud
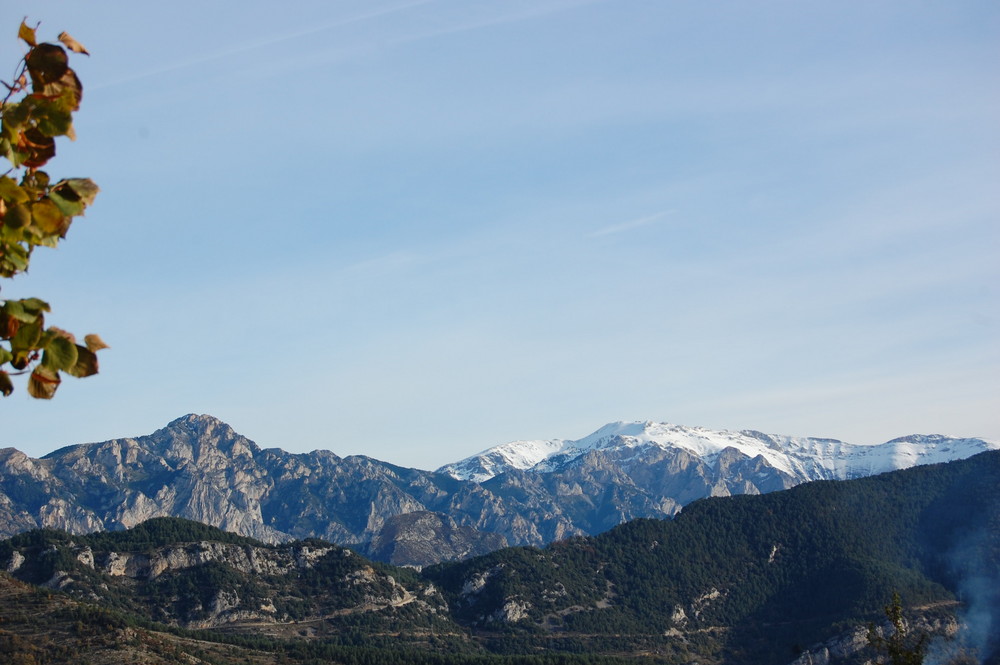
pixel 510 16
pixel 252 46
pixel 630 225
pixel 533 11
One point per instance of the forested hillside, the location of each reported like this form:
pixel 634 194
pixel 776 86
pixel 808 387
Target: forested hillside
pixel 753 578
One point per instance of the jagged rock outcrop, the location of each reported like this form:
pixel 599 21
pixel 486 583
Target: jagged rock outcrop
pixel 852 645
pixel 246 560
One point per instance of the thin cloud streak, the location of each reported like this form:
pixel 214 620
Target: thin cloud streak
pixel 629 226
pixel 245 48
pixel 501 20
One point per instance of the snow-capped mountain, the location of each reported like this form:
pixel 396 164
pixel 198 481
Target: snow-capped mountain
pixel 800 458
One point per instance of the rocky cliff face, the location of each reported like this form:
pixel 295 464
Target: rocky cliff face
pixel 200 469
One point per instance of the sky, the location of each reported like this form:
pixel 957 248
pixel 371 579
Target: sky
pixel 415 230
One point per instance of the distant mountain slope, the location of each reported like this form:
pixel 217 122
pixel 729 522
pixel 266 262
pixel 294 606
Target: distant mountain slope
pixel 198 468
pixel 798 458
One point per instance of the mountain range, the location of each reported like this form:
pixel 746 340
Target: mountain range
pixel 521 493
pixel 790 578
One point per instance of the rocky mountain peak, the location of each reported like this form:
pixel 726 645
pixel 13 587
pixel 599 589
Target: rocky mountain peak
pixel 201 438
pixel 14 461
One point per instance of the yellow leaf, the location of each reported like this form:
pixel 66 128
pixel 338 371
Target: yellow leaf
pixel 10 191
pixel 94 342
pixel 72 44
pixel 27 34
pixel 48 217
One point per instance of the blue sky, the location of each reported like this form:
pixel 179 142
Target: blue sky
pixel 414 230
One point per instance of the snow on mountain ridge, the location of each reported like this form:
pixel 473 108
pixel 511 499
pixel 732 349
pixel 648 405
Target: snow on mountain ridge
pixel 498 459
pixel 804 458
pixel 699 441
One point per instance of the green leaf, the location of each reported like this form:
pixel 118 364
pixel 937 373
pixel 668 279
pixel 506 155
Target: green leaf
pixel 6 386
pixel 17 117
pixel 60 353
pixel 14 260
pixel 22 311
pixel 27 336
pixel 52 119
pixel 11 192
pixel 86 363
pixel 43 382
pixel 7 134
pixel 12 154
pixel 6 150
pixel 5 356
pixel 45 240
pixel 68 207
pixel 36 305
pixel 9 236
